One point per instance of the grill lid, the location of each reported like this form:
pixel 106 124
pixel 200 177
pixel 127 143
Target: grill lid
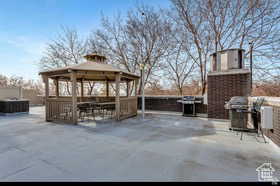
pixel 189 98
pixel 238 100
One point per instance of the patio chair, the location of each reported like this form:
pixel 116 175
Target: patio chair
pixel 110 110
pixel 84 111
pixel 95 110
pixel 66 112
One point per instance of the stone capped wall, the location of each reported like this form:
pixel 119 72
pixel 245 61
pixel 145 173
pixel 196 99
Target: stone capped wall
pixel 273 135
pixel 167 103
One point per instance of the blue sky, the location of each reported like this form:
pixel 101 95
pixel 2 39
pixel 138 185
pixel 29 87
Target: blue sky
pixel 26 26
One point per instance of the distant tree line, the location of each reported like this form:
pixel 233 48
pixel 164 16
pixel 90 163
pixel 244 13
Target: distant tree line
pixel 264 88
pixel 174 43
pixel 17 81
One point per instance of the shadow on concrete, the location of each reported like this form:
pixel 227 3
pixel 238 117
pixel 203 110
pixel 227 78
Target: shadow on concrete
pixel 154 127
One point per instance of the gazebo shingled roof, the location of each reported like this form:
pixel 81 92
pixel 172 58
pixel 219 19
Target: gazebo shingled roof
pixel 90 66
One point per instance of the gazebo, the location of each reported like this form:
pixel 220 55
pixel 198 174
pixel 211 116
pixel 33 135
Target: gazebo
pixel 65 108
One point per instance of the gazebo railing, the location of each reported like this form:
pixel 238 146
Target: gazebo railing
pixel 128 107
pixel 59 109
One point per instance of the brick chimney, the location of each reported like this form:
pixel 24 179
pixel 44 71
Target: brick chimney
pixel 95 57
pixel 228 78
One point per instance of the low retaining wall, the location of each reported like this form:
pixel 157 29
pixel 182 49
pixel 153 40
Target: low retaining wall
pixel 163 103
pixel 167 103
pixel 274 134
pixel 19 93
pixel 33 97
pixel 8 93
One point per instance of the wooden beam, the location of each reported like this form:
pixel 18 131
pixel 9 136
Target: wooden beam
pixel 56 82
pixel 136 86
pixel 87 79
pixel 66 73
pixel 95 73
pixel 131 78
pixel 74 97
pixel 118 78
pixel 55 73
pixel 97 79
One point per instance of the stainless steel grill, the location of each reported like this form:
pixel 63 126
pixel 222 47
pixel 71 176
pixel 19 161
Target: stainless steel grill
pixel 238 112
pixel 188 104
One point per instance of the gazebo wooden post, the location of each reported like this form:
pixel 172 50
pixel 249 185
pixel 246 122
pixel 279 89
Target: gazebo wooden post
pixel 82 89
pixel 136 86
pixel 46 81
pixel 118 79
pixel 74 97
pixel 127 88
pixel 107 88
pixel 56 88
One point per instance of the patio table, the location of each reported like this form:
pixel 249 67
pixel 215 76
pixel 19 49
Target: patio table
pixel 99 106
pixel 105 106
pixel 105 103
pixel 85 103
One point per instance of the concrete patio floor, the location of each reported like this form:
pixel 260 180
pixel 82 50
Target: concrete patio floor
pixel 160 148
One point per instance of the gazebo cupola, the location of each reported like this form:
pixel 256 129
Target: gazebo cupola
pixel 95 57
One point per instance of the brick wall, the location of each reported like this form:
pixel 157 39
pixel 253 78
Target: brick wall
pixel 167 103
pixel 221 88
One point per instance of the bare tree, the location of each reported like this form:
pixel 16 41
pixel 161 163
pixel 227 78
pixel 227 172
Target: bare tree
pixel 3 81
pixel 67 49
pixel 188 16
pixel 179 65
pixel 267 88
pixel 149 33
pixel 141 39
pixel 237 23
pixel 15 81
pixel 219 24
pixel 176 43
